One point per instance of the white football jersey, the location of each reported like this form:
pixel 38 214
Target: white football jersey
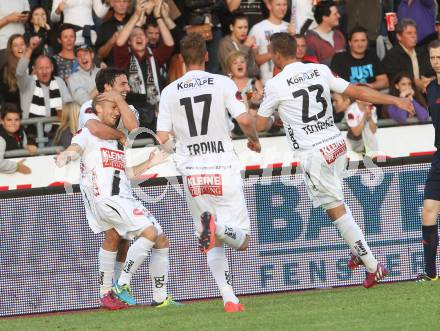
pixel 195 107
pixel 301 93
pixel 102 166
pixel 86 113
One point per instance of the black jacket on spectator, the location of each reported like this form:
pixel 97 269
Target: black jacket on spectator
pixel 397 61
pixel 106 32
pixel 13 142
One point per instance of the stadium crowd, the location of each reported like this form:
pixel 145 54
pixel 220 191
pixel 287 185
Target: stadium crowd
pixel 51 52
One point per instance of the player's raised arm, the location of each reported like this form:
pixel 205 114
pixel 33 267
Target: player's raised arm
pixel 367 94
pixel 269 104
pixel 155 158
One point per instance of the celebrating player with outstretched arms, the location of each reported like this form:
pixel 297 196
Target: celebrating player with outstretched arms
pixel 114 210
pixel 301 94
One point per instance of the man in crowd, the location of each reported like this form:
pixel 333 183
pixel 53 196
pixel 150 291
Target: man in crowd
pixel 205 157
pixel 317 142
pixel 404 57
pixel 359 65
pixel 109 30
pixel 325 40
pixel 41 94
pixel 133 54
pixel 82 83
pixel 262 32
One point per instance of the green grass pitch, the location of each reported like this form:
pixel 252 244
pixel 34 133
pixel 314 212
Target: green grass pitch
pixel 400 306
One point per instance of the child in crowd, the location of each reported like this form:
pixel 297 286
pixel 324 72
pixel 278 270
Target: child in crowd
pixel 12 136
pixel 361 119
pixel 404 86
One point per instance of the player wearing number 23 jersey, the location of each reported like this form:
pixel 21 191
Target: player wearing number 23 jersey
pixel 301 94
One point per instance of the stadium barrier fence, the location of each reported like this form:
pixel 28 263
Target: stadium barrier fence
pixel 48 255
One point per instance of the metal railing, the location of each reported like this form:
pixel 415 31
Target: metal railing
pixel 39 123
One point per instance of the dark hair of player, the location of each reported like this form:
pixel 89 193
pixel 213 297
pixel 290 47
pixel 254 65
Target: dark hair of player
pixel 107 76
pixel 193 49
pixel 284 44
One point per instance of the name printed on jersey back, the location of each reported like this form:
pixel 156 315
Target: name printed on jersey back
pixel 319 125
pixel 302 77
pixel 206 147
pixel 210 184
pixel 194 83
pixel 112 159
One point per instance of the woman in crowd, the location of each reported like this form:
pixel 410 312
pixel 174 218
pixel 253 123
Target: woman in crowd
pixel 238 40
pixel 68 125
pixel 66 62
pixel 404 86
pixel 38 26
pixel 9 91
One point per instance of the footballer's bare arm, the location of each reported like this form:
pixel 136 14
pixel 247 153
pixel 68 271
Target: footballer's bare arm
pixel 72 152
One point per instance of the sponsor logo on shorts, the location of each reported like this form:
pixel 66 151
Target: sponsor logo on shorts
pixel 333 151
pixel 112 159
pixel 210 184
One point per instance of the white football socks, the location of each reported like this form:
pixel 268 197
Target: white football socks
pixel 136 254
pixel 354 237
pixel 107 261
pixel 218 264
pixel 118 269
pixel 231 235
pixel 159 266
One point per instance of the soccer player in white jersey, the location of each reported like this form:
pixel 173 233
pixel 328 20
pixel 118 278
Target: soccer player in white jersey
pixel 115 211
pixel 110 79
pixel 301 94
pixel 195 108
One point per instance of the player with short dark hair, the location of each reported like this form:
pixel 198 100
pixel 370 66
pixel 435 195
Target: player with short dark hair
pixel 195 108
pixel 431 202
pixel 301 94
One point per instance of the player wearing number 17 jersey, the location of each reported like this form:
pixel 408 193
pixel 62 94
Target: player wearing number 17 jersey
pixel 195 107
pixel 301 94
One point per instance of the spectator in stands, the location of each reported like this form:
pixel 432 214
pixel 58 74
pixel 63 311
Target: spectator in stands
pixel 369 14
pixel 12 136
pixel 423 12
pixel 79 14
pixel 361 118
pixel 404 57
pixel 66 62
pixel 109 30
pixel 41 94
pixel 13 15
pixel 262 32
pixel 68 126
pixel 359 64
pixel 200 13
pixel 132 53
pixel 251 88
pixel 252 9
pixel 82 84
pixel 325 40
pixel 38 26
pixel 9 91
pixel 301 50
pixel 302 15
pixel 238 40
pixel 404 86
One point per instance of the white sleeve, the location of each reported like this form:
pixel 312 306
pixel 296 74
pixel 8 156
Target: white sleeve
pixel 81 138
pixel 336 84
pixel 164 122
pixel 351 116
pixel 270 100
pixel 233 100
